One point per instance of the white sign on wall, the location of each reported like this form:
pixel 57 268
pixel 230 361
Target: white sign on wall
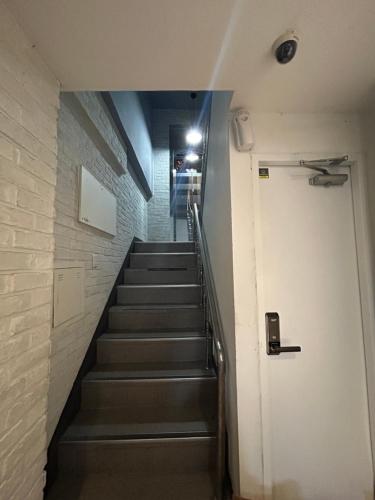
pixel 97 205
pixel 68 294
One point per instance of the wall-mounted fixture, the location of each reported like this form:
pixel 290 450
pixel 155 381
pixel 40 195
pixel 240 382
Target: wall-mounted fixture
pixel 285 47
pixel 326 178
pixel 97 205
pixel 274 347
pixel 242 130
pixel 68 294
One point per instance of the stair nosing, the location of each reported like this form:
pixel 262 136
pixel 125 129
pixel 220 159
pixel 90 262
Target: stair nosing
pixel 164 253
pixel 133 437
pixel 156 307
pixel 151 339
pixel 162 269
pixel 202 428
pixel 158 242
pixel 145 440
pixel 161 285
pixel 145 335
pixel 211 376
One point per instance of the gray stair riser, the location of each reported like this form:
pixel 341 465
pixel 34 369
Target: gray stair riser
pixel 151 350
pixel 163 247
pixel 146 394
pixel 154 319
pixel 163 261
pixel 160 277
pixel 132 456
pixel 177 486
pixel 158 295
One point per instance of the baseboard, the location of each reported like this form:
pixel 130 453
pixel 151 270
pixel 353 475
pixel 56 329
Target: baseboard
pixel 73 403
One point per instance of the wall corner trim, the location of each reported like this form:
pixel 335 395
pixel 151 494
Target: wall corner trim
pixel 72 101
pixel 136 169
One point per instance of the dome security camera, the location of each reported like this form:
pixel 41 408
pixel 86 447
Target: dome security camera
pixel 285 47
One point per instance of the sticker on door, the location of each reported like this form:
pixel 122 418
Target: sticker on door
pixel 264 173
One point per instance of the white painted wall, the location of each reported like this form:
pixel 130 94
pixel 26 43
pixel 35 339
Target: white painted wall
pixel 367 125
pixel 28 114
pixel 277 136
pixel 218 230
pixel 367 122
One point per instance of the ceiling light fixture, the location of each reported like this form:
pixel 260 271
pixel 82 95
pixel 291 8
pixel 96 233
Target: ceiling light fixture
pixel 193 137
pixel 192 157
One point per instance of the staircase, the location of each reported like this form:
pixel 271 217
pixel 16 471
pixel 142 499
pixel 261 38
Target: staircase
pixel 147 424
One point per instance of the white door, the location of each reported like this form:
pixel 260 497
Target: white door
pixel 315 415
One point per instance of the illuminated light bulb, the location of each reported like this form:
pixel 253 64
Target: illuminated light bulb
pixel 193 137
pixel 192 157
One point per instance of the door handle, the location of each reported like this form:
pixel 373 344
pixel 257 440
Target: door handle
pixel 276 349
pixel 273 336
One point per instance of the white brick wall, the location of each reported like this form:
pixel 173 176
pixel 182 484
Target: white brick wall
pixel 79 245
pixel 28 113
pixel 159 205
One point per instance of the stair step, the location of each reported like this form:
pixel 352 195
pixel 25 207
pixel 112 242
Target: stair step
pixel 177 486
pixel 167 416
pixel 132 456
pixel 160 276
pixel 155 317
pixel 87 430
pixel 164 247
pixel 163 260
pixel 149 370
pixel 157 350
pixel 146 395
pixel 120 416
pixel 159 294
pixel 155 335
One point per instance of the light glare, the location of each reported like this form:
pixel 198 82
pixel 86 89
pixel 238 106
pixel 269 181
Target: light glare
pixel 192 157
pixel 193 137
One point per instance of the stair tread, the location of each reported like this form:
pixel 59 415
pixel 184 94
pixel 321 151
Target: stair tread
pixel 154 335
pixel 107 337
pixel 163 269
pixel 113 371
pixel 159 242
pixel 164 253
pixel 88 427
pixel 165 286
pixel 157 307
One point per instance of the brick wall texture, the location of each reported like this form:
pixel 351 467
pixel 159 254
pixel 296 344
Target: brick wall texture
pixel 159 224
pixel 28 114
pixel 85 134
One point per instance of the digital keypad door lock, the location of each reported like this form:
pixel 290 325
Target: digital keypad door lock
pixel 273 336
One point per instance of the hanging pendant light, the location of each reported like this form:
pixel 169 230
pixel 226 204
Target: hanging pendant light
pixel 194 135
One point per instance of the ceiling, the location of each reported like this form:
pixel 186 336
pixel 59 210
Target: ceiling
pixel 211 44
pixel 176 100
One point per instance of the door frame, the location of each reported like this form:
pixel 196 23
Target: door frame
pixel 366 288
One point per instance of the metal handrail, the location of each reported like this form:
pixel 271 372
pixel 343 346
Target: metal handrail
pixel 212 316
